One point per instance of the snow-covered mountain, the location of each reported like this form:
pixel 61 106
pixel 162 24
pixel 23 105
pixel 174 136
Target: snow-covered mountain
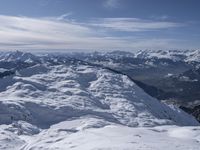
pixel 175 55
pixel 18 56
pixel 162 69
pixel 84 90
pixel 64 103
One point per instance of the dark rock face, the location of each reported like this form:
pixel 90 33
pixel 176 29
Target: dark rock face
pixel 195 111
pixel 6 73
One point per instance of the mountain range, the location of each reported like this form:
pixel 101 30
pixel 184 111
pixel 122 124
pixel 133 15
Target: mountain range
pixel 97 100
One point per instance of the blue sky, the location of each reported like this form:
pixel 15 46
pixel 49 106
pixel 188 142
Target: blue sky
pixel 99 24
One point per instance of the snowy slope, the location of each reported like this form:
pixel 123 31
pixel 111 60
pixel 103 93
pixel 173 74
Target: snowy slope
pixel 77 106
pixel 91 133
pixel 78 90
pixel 67 135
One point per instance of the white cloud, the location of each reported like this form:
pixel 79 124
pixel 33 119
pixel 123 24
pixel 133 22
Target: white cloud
pixel 133 24
pixel 51 33
pixel 36 32
pixel 62 17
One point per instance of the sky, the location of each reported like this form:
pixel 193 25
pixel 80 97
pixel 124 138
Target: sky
pixel 99 25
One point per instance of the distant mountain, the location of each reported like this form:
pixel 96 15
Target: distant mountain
pixel 18 56
pixel 175 55
pixel 10 62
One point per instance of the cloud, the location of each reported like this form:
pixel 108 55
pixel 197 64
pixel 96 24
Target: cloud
pixel 29 32
pixel 161 17
pixel 133 24
pixel 62 17
pixel 111 4
pixel 17 32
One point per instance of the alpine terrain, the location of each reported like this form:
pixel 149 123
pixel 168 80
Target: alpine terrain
pixel 93 101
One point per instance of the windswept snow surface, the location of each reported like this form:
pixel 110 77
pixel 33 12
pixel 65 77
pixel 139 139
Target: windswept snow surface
pixel 91 133
pixel 116 137
pixel 76 106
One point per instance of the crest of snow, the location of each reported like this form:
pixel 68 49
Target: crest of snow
pixel 67 135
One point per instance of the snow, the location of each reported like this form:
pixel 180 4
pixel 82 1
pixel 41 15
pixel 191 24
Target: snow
pixel 169 75
pixel 77 106
pixel 175 55
pixel 2 70
pixel 82 134
pixel 79 90
pixel 18 56
pixel 187 79
pixel 185 133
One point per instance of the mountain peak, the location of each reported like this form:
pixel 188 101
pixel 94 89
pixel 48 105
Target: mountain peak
pixel 18 56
